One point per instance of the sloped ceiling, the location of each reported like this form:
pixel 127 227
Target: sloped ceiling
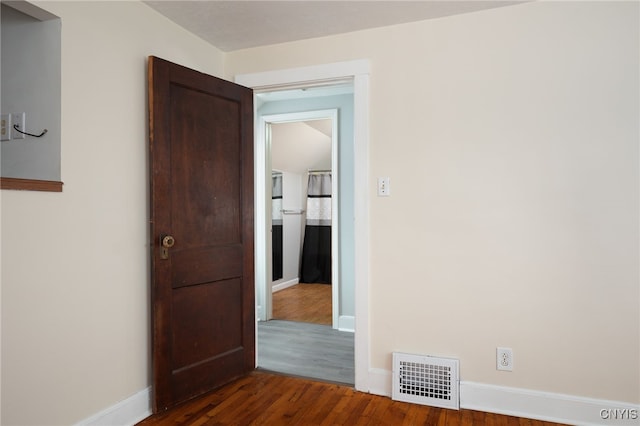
pixel 299 147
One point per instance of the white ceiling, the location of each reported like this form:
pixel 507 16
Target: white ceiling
pixel 239 24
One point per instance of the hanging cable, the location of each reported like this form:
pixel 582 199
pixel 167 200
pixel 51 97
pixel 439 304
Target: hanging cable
pixel 17 129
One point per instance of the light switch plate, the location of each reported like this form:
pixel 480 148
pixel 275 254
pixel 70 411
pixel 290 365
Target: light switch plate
pixel 384 188
pixel 18 119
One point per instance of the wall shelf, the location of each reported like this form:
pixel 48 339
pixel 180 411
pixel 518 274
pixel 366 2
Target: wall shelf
pixel 30 184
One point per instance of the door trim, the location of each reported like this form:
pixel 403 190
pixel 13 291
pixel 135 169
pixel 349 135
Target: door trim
pixel 263 180
pixel 358 71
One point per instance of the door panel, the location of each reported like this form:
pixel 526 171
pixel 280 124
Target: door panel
pixel 201 164
pixel 207 157
pixel 198 318
pixel 206 264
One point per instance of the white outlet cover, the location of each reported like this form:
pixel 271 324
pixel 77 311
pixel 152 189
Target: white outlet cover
pixel 504 359
pixel 5 129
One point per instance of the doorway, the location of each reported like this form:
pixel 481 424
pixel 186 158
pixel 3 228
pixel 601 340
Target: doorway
pixel 302 147
pixel 304 245
pixel 357 73
pixel 334 102
pixel 303 192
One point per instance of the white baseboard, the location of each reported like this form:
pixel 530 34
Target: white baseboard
pixel 547 406
pixel 560 408
pixel 128 412
pixel 347 323
pixel 380 382
pixel 286 284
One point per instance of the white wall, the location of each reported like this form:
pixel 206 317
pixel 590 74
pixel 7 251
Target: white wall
pixel 511 139
pixel 75 268
pixel 292 225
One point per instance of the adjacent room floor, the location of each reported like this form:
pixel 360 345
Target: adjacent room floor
pixel 304 303
pixel 299 341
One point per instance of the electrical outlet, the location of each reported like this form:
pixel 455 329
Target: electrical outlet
pixel 5 127
pixel 18 121
pixel 504 359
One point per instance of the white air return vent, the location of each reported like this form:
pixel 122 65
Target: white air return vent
pixel 426 380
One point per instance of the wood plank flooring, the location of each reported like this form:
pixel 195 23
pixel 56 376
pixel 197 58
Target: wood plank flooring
pixel 268 399
pixel 299 341
pixel 305 303
pixel 306 350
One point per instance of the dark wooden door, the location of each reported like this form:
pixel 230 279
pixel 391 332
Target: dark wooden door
pixel 202 295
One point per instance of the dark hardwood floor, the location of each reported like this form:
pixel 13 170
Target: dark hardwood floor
pixel 269 399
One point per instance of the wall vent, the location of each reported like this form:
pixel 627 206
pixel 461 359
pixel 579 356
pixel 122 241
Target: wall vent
pixel 426 380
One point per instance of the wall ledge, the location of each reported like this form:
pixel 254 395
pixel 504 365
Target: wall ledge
pixel 30 184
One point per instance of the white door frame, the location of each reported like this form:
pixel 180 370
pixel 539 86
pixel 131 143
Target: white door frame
pixel 358 72
pixel 264 143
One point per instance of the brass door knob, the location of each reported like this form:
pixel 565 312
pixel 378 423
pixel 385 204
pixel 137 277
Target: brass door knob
pixel 168 241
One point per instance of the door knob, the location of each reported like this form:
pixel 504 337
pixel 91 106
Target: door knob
pixel 168 241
